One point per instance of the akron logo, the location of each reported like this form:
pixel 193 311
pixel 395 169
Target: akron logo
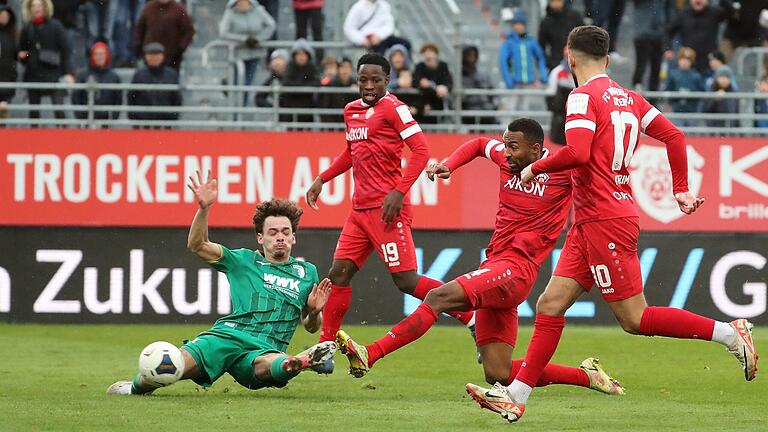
pixel 651 181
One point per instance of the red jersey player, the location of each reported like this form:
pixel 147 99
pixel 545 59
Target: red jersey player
pixel 528 223
pixel 378 125
pixel 603 121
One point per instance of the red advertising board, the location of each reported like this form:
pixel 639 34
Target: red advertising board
pixel 136 178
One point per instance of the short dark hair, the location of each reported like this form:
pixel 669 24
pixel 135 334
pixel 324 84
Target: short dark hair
pixel 277 207
pixel 591 40
pixel 530 128
pixel 374 59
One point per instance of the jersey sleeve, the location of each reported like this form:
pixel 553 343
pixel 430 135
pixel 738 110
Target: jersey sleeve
pixel 402 121
pixel 229 260
pixel 656 125
pixel 477 147
pixel 314 279
pixel 580 126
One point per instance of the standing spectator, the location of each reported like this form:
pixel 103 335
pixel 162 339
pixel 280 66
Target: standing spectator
pixel 273 9
pixel 560 84
pixel 473 78
pixel 165 22
pixel 432 78
pixel 743 28
pixel 9 48
pixel 609 15
pixel 554 29
pixel 370 24
pixel 521 60
pixel 330 67
pixel 721 85
pixel 247 24
pixel 44 52
pixel 309 14
pixel 650 16
pixel 99 22
pixel 155 71
pixel 302 72
pixel 698 27
pixel 716 60
pixel 126 18
pixel 278 63
pixel 98 71
pixel 684 79
pixel 344 79
pixel 399 59
pixel 761 105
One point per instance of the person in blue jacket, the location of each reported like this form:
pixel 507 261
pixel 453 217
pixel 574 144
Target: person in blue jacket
pixel 521 59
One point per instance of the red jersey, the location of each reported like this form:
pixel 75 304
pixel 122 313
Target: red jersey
pixel 603 121
pixel 530 219
pixel 375 138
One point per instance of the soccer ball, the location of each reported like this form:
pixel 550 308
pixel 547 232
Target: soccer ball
pixel 161 363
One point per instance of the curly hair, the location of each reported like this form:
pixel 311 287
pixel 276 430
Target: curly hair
pixel 277 207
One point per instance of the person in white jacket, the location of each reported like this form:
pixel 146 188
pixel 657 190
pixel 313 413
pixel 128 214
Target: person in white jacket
pixel 247 24
pixel 370 24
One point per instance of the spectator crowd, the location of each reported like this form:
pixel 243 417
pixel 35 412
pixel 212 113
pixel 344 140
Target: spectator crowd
pixel 679 46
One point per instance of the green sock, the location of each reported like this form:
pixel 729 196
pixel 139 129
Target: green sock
pixel 137 389
pixel 279 375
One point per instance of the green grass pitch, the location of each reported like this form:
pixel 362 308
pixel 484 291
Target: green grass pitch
pixel 54 378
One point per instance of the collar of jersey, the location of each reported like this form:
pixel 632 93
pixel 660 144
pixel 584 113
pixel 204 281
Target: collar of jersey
pixel 366 105
pixel 259 257
pixel 602 75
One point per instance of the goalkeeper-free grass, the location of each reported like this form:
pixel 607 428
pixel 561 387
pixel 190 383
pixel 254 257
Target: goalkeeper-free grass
pixel 54 378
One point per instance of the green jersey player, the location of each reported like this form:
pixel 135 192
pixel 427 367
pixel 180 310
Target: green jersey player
pixel 270 293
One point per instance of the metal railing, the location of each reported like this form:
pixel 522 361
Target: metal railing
pixel 274 117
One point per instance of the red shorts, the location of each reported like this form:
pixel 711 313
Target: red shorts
pixel 604 253
pixel 364 231
pixel 494 291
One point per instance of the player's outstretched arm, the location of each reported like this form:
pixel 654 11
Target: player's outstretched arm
pixel 311 314
pixel 339 166
pixel 659 127
pixel 205 195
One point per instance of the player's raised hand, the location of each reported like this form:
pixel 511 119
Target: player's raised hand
pixel 314 192
pixel 688 202
pixel 319 295
pixel 205 191
pixel 438 170
pixel 526 175
pixel 391 206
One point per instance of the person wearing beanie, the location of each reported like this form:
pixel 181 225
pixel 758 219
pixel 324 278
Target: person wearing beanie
pixel 721 85
pixel 99 70
pixel 685 79
pixel 521 60
pixel 278 63
pixel 301 72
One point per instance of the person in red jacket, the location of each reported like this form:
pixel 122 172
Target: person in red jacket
pixel 166 22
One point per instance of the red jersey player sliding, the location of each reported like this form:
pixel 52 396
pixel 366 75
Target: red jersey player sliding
pixel 603 121
pixel 528 223
pixel 378 125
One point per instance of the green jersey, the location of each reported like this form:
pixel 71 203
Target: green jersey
pixel 267 298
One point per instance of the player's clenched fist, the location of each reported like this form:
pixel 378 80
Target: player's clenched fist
pixel 688 202
pixel 438 170
pixel 205 191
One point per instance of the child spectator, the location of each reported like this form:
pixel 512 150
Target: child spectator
pixel 278 63
pixel 399 59
pixel 716 60
pixel 330 68
pixel 521 60
pixel 685 79
pixel 721 85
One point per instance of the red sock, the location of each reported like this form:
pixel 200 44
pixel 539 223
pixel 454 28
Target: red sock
pixel 334 311
pixel 546 335
pixel 403 333
pixel 426 284
pixel 554 374
pixel 676 323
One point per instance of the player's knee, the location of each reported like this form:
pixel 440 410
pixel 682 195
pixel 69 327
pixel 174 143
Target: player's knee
pixel 261 369
pixel 406 281
pixel 495 374
pixel 549 305
pixel 443 299
pixel 341 272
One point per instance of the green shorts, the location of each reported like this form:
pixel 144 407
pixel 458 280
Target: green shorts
pixel 222 349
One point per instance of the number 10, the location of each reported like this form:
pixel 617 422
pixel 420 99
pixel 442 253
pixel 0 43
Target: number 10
pixel 620 120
